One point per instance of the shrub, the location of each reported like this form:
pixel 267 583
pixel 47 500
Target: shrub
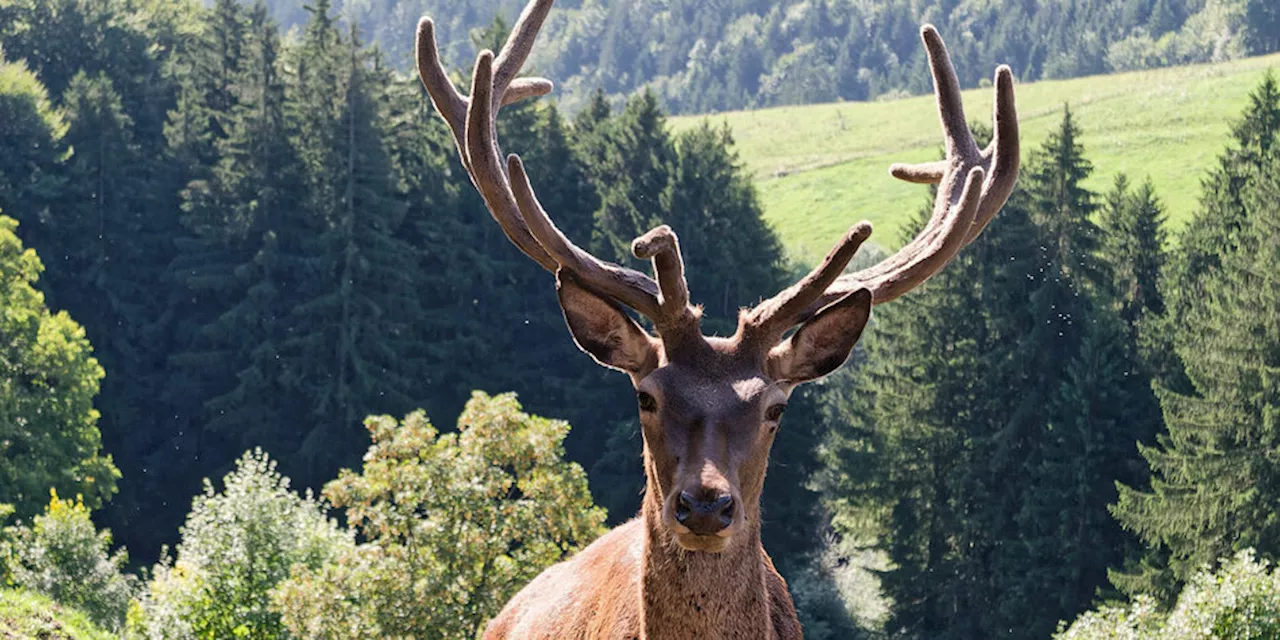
pixel 236 546
pixel 62 556
pixel 1239 601
pixel 455 524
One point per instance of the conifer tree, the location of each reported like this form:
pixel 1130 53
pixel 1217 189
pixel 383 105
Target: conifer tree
pixel 1218 229
pixel 1134 247
pixel 1215 476
pixel 349 348
pixel 228 268
pixel 999 404
pixel 113 234
pixel 632 176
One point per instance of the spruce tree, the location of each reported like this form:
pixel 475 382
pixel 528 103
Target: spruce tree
pixel 1215 478
pixel 348 348
pixel 228 270
pixel 632 175
pixel 1220 231
pixel 1134 246
pixel 990 432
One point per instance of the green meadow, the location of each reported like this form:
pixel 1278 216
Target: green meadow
pixel 821 168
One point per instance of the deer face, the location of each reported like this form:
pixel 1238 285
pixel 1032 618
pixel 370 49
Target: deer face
pixel 710 407
pixel 707 438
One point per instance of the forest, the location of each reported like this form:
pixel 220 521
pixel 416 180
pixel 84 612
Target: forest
pixel 268 369
pixel 701 56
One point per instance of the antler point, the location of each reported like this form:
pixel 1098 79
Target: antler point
pixel 860 231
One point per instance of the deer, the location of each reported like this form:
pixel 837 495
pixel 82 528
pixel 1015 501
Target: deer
pixel 691 564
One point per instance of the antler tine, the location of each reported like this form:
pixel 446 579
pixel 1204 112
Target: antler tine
pixel 973 185
pixel 516 51
pixel 948 241
pixel 1003 156
pixel 480 148
pixel 768 320
pixel 961 151
pixel 663 247
pixel 451 105
pixel 628 286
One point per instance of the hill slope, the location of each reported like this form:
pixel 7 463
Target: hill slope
pixel 820 168
pixel 26 615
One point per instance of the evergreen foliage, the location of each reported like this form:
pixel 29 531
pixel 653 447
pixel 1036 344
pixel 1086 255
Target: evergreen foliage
pixel 1213 353
pixel 995 409
pixel 1215 479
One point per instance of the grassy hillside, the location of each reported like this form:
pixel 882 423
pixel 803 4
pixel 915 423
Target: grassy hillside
pixel 25 615
pixel 820 168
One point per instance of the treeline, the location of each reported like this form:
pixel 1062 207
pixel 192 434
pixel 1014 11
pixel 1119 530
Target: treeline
pixel 266 241
pixel 702 57
pixel 1072 413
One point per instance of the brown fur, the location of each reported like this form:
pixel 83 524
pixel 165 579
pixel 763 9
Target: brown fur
pixel 636 582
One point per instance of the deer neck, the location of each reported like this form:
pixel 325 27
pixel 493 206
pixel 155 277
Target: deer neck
pixel 702 595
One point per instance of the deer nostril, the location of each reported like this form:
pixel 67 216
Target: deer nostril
pixel 683 507
pixel 725 506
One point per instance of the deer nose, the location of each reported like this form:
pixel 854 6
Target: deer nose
pixel 704 517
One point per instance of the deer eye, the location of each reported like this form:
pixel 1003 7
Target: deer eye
pixel 647 403
pixel 775 412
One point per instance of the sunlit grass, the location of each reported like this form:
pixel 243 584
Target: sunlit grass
pixel 26 615
pixel 820 168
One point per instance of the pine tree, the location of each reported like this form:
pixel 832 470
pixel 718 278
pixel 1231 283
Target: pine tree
pixel 731 256
pixel 228 270
pixel 632 175
pixel 1134 246
pixel 1215 478
pixel 923 447
pixel 113 235
pixel 206 97
pixel 1000 404
pixel 1094 421
pixel 349 350
pixel 1217 230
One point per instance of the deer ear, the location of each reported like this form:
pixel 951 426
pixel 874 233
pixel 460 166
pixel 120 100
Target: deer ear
pixel 823 342
pixel 604 330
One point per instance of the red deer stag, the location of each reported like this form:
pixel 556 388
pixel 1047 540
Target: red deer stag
pixel 691 565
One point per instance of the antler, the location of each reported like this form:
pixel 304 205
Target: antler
pixel 509 196
pixel 973 185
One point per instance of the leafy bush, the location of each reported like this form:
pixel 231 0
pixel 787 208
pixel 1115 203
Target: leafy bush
pixel 456 524
pixel 1239 601
pixel 236 546
pixel 62 556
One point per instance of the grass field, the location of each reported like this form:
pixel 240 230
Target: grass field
pixel 820 168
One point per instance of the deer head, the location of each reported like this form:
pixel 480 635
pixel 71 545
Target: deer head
pixel 710 406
